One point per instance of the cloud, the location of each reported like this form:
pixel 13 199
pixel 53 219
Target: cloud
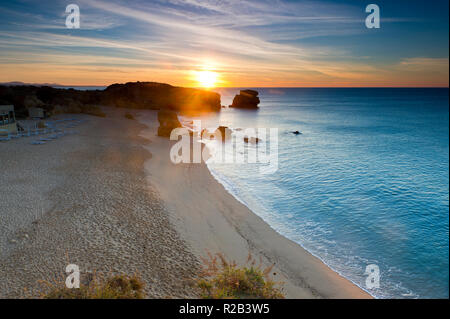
pixel 32 21
pixel 246 41
pixel 424 64
pixel 194 32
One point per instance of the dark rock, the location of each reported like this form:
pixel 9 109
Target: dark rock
pixel 225 132
pixel 132 95
pixel 296 132
pixel 253 140
pixel 247 99
pixel 203 133
pixel 151 95
pixel 249 93
pixel 192 133
pixel 168 120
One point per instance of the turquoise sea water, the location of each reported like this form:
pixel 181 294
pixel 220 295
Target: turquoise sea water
pixel 367 181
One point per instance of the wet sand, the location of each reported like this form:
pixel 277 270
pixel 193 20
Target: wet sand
pixel 212 220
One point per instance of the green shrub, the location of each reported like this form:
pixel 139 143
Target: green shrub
pixel 116 287
pixel 221 279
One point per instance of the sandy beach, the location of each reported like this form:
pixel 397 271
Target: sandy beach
pixel 83 199
pixel 318 165
pixel 211 220
pixel 109 200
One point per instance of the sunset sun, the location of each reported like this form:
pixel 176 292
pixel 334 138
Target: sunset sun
pixel 244 150
pixel 206 79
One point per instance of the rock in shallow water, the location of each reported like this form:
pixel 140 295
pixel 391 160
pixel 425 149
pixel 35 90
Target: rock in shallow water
pixel 252 140
pixel 168 120
pixel 247 99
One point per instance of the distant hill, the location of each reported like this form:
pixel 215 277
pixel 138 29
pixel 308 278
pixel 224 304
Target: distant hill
pixel 136 95
pixel 18 83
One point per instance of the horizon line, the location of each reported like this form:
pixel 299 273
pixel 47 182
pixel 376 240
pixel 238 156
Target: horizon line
pixel 20 83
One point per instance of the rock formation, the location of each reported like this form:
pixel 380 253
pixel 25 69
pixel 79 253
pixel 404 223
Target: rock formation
pixel 151 95
pixel 168 120
pixel 252 140
pixel 225 132
pixel 133 95
pixel 247 99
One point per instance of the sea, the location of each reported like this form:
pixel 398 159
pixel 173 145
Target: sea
pixel 365 182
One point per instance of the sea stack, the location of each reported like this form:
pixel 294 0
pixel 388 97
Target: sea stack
pixel 168 120
pixel 247 99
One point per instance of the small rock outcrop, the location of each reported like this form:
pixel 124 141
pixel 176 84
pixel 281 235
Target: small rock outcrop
pixel 225 132
pixel 247 99
pixel 168 120
pixel 252 140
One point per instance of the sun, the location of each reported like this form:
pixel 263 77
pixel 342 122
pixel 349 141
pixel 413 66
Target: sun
pixel 207 79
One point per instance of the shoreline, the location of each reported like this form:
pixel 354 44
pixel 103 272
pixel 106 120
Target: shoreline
pixel 211 219
pixel 218 179
pixel 109 200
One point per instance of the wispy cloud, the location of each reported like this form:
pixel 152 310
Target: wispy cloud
pixel 31 21
pixel 427 64
pixel 248 42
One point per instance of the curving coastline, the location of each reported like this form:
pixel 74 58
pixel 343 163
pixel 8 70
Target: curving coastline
pixel 210 219
pixel 112 201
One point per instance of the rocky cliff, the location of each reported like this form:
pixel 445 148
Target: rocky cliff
pixel 136 95
pixel 151 95
pixel 247 99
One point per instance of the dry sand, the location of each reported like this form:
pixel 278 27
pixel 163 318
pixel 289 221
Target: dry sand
pixel 83 199
pixel 109 200
pixel 212 220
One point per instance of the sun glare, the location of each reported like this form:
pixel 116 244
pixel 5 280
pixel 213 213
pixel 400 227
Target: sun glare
pixel 207 79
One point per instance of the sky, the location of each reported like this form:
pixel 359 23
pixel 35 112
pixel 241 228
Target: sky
pixel 240 43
